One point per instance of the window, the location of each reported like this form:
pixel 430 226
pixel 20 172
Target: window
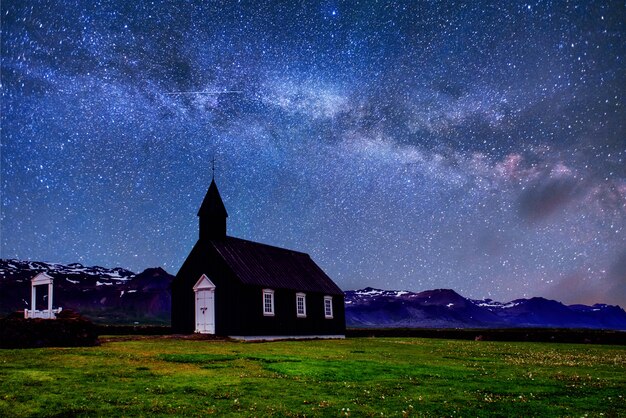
pixel 328 307
pixel 268 302
pixel 301 305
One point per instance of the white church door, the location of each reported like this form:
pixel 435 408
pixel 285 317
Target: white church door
pixel 205 305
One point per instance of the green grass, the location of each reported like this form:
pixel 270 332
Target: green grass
pixel 358 377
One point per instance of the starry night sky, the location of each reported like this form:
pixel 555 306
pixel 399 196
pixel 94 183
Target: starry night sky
pixel 404 145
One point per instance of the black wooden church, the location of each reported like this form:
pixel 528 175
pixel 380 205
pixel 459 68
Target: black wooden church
pixel 233 287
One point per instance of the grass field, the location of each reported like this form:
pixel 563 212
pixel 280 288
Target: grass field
pixel 358 377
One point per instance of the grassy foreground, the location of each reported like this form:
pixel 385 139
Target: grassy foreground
pixel 358 377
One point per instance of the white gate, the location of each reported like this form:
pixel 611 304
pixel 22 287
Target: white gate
pixel 205 305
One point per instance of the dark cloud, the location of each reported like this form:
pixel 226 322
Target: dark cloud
pixel 548 196
pixel 616 278
pixel 398 143
pixel 576 287
pixel 595 286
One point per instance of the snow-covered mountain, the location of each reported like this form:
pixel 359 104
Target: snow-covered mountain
pixel 444 308
pixel 112 295
pixel 121 296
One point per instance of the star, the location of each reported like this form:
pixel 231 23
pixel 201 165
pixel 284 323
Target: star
pixel 413 146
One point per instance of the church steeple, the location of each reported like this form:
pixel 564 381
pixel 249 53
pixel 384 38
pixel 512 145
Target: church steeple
pixel 212 215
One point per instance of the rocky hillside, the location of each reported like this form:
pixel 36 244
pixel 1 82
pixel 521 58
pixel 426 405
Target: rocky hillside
pixel 444 308
pixel 119 296
pixel 101 294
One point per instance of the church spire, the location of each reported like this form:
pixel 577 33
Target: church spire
pixel 212 215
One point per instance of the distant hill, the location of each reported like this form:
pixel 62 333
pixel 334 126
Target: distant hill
pixel 119 296
pixel 101 294
pixel 444 308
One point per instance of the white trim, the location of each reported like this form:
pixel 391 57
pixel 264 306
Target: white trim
pixel 270 293
pixel 205 313
pixel 204 283
pixel 41 279
pixel 45 314
pixel 328 315
pixel 301 314
pixel 286 337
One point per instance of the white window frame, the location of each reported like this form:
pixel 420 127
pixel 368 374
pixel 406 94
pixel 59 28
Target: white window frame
pixel 270 293
pixel 328 303
pixel 301 314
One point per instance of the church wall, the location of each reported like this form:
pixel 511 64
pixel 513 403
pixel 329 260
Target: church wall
pixel 239 308
pixel 285 320
pixel 201 260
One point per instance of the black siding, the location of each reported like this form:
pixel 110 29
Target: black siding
pixel 285 320
pixel 238 306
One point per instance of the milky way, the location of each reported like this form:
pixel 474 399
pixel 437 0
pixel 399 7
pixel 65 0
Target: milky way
pixel 404 145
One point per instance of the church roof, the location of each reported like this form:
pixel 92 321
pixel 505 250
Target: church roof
pixel 272 267
pixel 212 203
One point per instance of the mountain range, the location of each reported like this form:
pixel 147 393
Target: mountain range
pixel 116 296
pixel 120 296
pixel 444 308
